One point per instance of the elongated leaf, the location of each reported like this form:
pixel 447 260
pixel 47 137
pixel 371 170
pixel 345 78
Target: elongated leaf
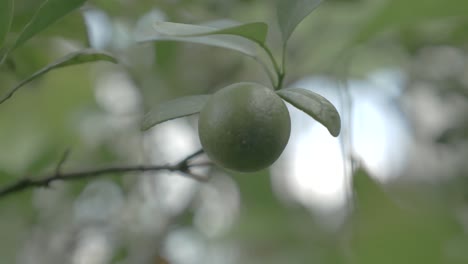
pixel 6 16
pixel 48 13
pixel 315 105
pixel 229 41
pixel 176 108
pixel 291 12
pixel 79 57
pixel 256 31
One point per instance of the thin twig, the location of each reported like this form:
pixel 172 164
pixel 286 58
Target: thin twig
pixel 62 160
pixel 275 65
pixel 44 181
pixel 192 156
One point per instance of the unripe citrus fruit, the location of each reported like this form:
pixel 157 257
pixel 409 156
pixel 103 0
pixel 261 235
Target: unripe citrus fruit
pixel 244 127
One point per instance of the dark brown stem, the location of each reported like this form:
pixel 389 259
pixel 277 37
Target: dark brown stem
pixel 44 181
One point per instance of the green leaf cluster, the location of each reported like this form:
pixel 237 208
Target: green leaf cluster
pixel 49 12
pixel 249 39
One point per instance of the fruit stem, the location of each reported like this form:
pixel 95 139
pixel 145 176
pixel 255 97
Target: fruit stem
pixel 283 67
pixel 267 70
pixel 280 81
pixel 279 72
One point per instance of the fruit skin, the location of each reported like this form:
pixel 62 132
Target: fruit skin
pixel 244 127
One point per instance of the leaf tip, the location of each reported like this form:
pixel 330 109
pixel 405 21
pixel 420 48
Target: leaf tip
pixel 336 130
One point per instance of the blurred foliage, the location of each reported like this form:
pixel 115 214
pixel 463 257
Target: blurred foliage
pixel 398 221
pixel 385 232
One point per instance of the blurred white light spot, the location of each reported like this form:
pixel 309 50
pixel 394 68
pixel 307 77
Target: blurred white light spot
pixel 184 246
pixel 99 28
pixel 117 94
pixel 218 206
pixel 100 201
pixel 93 248
pixel 317 170
pixel 434 114
pixel 380 137
pixel 173 192
pixel 314 164
pixel 169 143
pixel 390 82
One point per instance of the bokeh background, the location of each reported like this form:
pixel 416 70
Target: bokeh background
pixel 391 189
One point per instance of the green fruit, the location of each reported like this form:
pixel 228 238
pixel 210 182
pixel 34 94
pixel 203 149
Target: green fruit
pixel 244 127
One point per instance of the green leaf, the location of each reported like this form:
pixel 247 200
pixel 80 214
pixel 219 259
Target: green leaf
pixel 48 13
pixel 368 194
pixel 291 12
pixel 231 39
pixel 314 105
pixel 79 57
pixel 406 230
pixel 256 31
pixel 176 108
pixel 70 27
pixel 402 13
pixel 6 16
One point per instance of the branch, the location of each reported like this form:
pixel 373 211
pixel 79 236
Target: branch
pixel 44 181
